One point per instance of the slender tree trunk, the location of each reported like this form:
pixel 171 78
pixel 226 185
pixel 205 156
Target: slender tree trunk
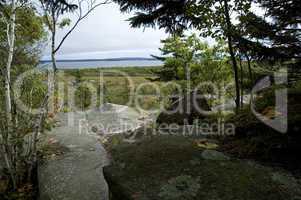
pixel 53 85
pixel 231 50
pixel 187 72
pixel 8 95
pixel 241 83
pixel 53 59
pixel 11 44
pixel 38 129
pixel 9 156
pixel 250 69
pixel 188 85
pixel 9 165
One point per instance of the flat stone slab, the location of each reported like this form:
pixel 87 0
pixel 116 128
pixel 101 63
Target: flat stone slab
pixel 76 174
pixel 173 168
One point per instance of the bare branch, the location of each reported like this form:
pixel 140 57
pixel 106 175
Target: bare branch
pixel 82 16
pixel 38 127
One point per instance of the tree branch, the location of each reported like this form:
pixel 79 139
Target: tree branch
pixel 81 17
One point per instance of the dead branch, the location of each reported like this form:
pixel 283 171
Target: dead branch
pixel 92 6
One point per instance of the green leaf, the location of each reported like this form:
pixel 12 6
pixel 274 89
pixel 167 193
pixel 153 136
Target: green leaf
pixel 65 22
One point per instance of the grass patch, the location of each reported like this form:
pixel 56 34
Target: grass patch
pixel 121 86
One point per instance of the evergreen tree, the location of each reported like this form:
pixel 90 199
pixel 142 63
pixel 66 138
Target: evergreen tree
pixel 275 36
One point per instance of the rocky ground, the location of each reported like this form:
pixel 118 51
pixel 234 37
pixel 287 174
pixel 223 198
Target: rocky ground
pixel 177 168
pixel 146 166
pixel 72 156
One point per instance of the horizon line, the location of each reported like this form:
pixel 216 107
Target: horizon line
pixel 101 59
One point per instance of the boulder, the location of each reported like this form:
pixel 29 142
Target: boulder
pixel 214 155
pixel 184 110
pixel 169 167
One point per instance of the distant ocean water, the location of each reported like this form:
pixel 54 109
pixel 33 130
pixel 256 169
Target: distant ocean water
pixel 118 62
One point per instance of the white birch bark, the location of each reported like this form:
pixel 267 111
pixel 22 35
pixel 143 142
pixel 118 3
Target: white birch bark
pixel 11 43
pixel 11 25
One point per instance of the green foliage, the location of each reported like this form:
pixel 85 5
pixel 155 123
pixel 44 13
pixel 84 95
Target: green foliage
pixel 117 88
pixel 274 40
pixel 33 89
pixel 131 71
pixel 58 7
pixel 157 12
pixel 178 15
pixel 16 134
pixel 297 85
pixel 65 22
pixel 83 97
pixel 32 93
pixel 172 70
pixel 78 75
pixel 30 36
pixel 205 63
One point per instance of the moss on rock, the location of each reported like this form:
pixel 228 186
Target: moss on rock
pixel 164 166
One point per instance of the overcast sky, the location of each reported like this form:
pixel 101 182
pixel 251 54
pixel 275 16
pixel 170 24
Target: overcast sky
pixel 106 34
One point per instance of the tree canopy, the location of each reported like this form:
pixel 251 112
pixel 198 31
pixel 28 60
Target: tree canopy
pixel 30 35
pixel 206 63
pixel 274 36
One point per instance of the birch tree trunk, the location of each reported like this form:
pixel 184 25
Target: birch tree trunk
pixel 53 48
pixel 53 81
pixel 11 24
pixel 11 43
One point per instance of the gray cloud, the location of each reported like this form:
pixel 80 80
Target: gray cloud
pixel 106 33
